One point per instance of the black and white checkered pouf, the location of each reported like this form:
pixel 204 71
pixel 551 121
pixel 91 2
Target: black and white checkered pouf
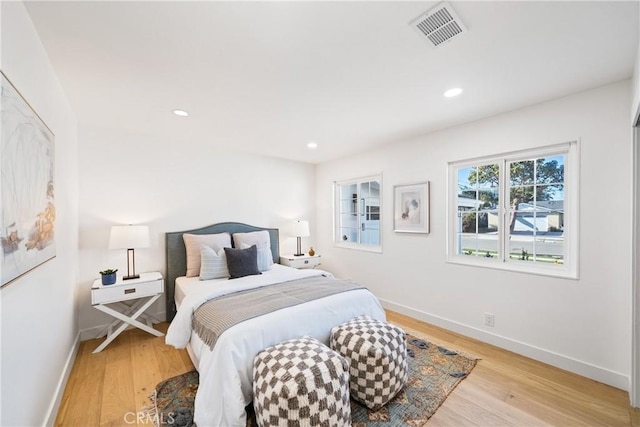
pixel 301 382
pixel 377 356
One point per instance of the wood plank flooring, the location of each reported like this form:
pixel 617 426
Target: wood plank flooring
pixel 504 389
pixel 111 388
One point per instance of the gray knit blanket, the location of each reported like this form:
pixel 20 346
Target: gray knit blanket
pixel 215 316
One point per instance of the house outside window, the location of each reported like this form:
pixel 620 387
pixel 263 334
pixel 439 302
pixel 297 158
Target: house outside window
pixel 357 213
pixel 516 211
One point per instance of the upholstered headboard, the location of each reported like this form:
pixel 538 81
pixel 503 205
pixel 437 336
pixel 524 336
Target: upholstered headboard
pixel 177 255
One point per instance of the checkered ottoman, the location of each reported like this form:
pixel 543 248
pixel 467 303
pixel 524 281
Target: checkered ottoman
pixel 377 356
pixel 301 382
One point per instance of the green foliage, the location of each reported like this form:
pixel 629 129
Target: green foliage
pixel 108 271
pixel 488 174
pixel 469 222
pixel 547 180
pixel 541 177
pixel 480 178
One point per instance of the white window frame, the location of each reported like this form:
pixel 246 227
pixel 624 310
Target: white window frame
pixel 570 266
pixel 338 242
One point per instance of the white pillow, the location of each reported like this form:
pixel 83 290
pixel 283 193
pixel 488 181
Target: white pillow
pixel 259 238
pixel 213 265
pixel 192 243
pixel 265 260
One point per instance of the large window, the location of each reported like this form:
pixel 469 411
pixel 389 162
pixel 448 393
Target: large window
pixel 516 211
pixel 357 210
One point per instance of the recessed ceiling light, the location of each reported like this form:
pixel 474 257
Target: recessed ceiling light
pixel 453 92
pixel 180 113
pixel 312 145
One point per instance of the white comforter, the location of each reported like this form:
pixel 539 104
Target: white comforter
pixel 226 371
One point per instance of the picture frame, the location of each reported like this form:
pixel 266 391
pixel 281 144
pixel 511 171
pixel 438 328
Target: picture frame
pixel 27 211
pixel 411 208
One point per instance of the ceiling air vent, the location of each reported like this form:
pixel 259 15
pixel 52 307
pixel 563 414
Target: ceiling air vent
pixel 439 25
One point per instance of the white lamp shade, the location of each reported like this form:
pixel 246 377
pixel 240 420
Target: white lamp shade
pixel 129 237
pixel 301 229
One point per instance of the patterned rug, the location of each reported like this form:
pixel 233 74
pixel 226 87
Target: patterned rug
pixel 434 372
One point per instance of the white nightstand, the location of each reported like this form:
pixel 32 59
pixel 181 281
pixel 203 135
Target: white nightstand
pixel 111 299
pixel 302 261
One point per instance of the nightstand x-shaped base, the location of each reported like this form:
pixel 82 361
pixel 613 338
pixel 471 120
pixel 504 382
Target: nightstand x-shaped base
pixel 125 318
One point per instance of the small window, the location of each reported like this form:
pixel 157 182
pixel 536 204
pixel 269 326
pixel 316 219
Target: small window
pixel 517 211
pixel 357 213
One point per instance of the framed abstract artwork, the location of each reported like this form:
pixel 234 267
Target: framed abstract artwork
pixel 28 213
pixel 411 208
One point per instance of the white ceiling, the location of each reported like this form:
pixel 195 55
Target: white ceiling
pixel 268 77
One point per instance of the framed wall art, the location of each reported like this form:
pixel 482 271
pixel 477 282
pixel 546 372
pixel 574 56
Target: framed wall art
pixel 411 208
pixel 28 213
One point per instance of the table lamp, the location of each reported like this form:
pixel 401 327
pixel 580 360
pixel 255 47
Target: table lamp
pixel 129 237
pixel 300 229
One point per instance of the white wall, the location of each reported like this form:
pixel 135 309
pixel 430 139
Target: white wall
pixel 39 313
pixel 581 325
pixel 173 186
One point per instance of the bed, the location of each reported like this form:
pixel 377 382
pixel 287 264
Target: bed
pixel 226 370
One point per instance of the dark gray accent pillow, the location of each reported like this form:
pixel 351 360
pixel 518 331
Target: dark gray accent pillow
pixel 242 262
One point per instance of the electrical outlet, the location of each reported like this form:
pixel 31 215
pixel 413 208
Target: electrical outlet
pixel 490 319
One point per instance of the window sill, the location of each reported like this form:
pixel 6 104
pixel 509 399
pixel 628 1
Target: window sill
pixel 561 272
pixel 364 248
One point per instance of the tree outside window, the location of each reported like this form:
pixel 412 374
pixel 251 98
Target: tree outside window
pixel 512 208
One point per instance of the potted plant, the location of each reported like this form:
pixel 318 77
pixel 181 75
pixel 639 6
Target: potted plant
pixel 108 276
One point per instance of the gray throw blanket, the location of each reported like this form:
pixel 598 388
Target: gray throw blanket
pixel 214 317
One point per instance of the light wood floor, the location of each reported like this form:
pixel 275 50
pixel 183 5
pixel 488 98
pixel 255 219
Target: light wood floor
pixel 504 389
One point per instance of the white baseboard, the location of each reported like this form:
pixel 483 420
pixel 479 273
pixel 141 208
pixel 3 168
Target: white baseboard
pixel 91 333
pixel 62 383
pixel 603 375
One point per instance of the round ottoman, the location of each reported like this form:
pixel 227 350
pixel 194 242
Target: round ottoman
pixel 377 356
pixel 301 382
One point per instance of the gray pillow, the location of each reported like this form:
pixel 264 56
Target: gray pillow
pixel 192 244
pixel 265 259
pixel 212 265
pixel 242 262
